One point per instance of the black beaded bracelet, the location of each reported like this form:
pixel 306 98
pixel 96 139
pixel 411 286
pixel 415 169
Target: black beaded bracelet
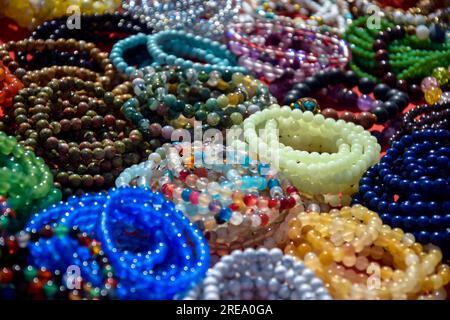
pixel 385 104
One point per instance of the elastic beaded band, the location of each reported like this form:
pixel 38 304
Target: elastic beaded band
pixel 284 54
pixel 409 186
pixel 320 156
pixel 433 86
pixel 178 97
pixel 236 203
pixel 360 258
pixel 9 86
pixel 24 179
pixel 77 128
pixel 259 275
pixel 153 249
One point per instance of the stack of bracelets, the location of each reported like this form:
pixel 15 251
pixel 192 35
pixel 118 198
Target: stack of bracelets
pixel 436 116
pixel 334 14
pixel 283 54
pixel 24 179
pixel 180 97
pixel 393 55
pixel 236 203
pixel 409 187
pixel 29 14
pixel 432 86
pixel 153 250
pixel 361 258
pixel 259 275
pixel 206 19
pixel 385 104
pixel 174 48
pixel 77 127
pixel 413 15
pixel 321 157
pixel 9 86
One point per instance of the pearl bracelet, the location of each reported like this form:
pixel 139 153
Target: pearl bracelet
pixel 320 156
pixel 259 275
pixel 360 258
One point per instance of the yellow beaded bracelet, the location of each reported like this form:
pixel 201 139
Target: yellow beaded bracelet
pixel 358 257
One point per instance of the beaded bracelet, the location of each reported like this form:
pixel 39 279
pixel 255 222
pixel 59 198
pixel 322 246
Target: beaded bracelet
pixel 24 179
pixel 259 274
pixel 105 28
pixel 9 86
pixel 410 187
pixel 360 258
pixel 323 13
pixel 155 252
pixel 178 97
pixel 20 280
pixel 77 128
pixel 282 54
pixel 29 14
pixel 236 204
pixel 432 86
pixel 386 103
pixel 320 156
pixel 421 117
pixel 204 19
pixel 175 48
pixel 393 56
pixel 107 74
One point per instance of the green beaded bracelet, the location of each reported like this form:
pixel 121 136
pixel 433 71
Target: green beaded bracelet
pixel 25 179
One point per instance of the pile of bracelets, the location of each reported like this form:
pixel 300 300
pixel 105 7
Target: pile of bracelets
pixel 259 275
pixel 24 179
pixel 395 56
pixel 235 202
pixel 436 116
pixel 9 86
pixel 29 14
pixel 327 13
pixel 359 257
pixel 77 128
pixel 284 54
pixel 180 97
pixel 174 48
pixel 204 18
pixel 385 104
pixel 321 157
pixel 135 227
pixel 409 186
pixel 432 86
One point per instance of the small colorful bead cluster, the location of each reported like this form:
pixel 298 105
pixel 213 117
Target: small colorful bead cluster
pixel 283 54
pixel 432 86
pixel 24 179
pixel 177 96
pixel 409 186
pixel 361 258
pixel 259 275
pixel 150 259
pixel 9 86
pixel 320 156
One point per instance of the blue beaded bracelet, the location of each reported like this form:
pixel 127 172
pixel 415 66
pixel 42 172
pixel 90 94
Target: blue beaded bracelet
pixel 409 187
pixel 177 48
pixel 155 252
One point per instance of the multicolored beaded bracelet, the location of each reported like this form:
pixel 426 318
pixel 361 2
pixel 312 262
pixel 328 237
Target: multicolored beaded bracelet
pixel 432 86
pixel 321 157
pixel 155 252
pixel 284 54
pixel 24 179
pixel 409 187
pixel 235 202
pixel 77 128
pixel 259 275
pixel 359 257
pixel 176 97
